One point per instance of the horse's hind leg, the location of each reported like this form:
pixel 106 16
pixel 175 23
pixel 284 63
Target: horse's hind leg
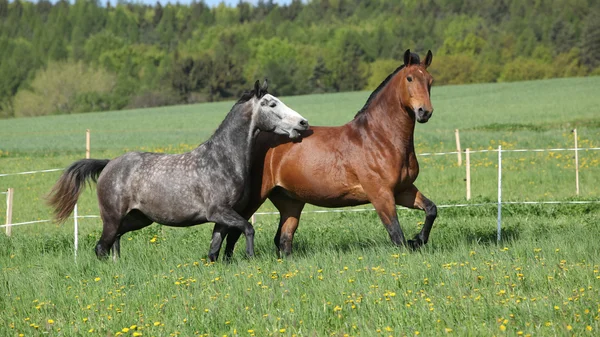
pixel 108 237
pixel 116 248
pixel 289 217
pixel 134 220
pixel 413 198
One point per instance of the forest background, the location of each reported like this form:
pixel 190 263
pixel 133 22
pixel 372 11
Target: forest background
pixel 87 55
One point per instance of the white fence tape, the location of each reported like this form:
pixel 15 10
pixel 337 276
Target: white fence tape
pixel 351 210
pixel 418 154
pixel 515 150
pixel 29 172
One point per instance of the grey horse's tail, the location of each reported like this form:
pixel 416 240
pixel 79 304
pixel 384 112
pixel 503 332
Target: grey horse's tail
pixel 64 194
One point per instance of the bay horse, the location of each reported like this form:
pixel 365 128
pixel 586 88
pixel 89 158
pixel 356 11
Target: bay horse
pixel 371 159
pixel 207 184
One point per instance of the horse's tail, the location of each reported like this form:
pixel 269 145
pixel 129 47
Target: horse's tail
pixel 64 194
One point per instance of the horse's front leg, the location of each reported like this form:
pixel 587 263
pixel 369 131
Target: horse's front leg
pixel 219 233
pixel 383 201
pixel 226 220
pixel 413 198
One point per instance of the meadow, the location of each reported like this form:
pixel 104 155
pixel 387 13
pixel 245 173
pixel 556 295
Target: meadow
pixel 345 277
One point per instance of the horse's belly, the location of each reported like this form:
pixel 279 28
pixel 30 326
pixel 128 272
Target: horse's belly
pixel 328 195
pixel 174 217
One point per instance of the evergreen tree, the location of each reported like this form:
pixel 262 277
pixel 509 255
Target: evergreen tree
pixel 590 41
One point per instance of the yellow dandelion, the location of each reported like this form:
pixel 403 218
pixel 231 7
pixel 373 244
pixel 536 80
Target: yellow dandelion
pixel 569 327
pixel 282 330
pixel 448 330
pixel 502 327
pixel 156 323
pixel 97 279
pixel 50 321
pixel 588 328
pixel 137 333
pixel 125 330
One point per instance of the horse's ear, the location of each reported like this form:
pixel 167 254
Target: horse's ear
pixel 407 57
pixel 265 85
pixel 257 88
pixel 428 59
pixel 263 89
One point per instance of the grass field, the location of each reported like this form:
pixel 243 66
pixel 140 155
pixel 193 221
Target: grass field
pixel 345 277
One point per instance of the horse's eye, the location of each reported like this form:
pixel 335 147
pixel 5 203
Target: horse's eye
pixel 409 78
pixel 273 104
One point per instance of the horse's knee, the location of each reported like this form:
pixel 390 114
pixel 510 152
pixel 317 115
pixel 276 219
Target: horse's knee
pixel 249 231
pixel 431 210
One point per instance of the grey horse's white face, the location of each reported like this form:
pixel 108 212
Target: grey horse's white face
pixel 271 114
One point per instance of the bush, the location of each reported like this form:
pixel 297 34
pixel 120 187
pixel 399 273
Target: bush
pixel 380 70
pixel 65 88
pixel 523 69
pixel 462 69
pixel 150 99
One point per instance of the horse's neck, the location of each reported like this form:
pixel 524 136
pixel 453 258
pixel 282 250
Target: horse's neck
pixel 234 140
pixel 387 114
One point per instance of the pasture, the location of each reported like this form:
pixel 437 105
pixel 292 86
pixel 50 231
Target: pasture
pixel 345 277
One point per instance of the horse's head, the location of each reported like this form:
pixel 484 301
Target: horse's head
pixel 415 86
pixel 271 114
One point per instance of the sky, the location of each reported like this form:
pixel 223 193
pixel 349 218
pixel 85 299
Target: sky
pixel 211 3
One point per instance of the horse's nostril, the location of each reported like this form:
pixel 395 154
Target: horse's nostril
pixel 304 122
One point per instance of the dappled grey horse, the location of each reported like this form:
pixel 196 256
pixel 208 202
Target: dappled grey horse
pixel 207 184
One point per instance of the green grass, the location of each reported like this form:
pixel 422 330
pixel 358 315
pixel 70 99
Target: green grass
pixel 345 277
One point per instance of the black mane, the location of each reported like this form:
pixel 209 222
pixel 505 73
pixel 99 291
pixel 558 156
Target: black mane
pixel 376 91
pixel 248 95
pixel 414 59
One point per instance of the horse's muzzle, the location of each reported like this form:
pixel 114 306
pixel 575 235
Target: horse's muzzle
pixel 423 115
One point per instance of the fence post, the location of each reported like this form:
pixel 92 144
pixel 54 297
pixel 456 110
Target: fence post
pixel 253 219
pixel 9 204
pixel 75 231
pixel 75 213
pixel 499 192
pixel 87 143
pixel 576 163
pixel 457 136
pixel 468 165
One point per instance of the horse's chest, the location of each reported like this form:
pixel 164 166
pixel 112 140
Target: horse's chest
pixel 408 170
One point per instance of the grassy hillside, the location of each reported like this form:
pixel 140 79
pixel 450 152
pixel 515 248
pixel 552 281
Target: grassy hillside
pixel 345 277
pixel 538 114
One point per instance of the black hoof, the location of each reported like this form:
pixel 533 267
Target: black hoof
pixel 415 243
pixel 101 253
pixel 213 257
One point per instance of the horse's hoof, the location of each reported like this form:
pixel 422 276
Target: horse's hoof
pixel 415 244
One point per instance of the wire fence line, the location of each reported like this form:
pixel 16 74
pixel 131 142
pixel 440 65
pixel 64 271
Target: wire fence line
pixel 29 172
pixel 354 210
pixel 514 150
pixel 418 154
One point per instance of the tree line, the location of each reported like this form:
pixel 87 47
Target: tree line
pixel 92 56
